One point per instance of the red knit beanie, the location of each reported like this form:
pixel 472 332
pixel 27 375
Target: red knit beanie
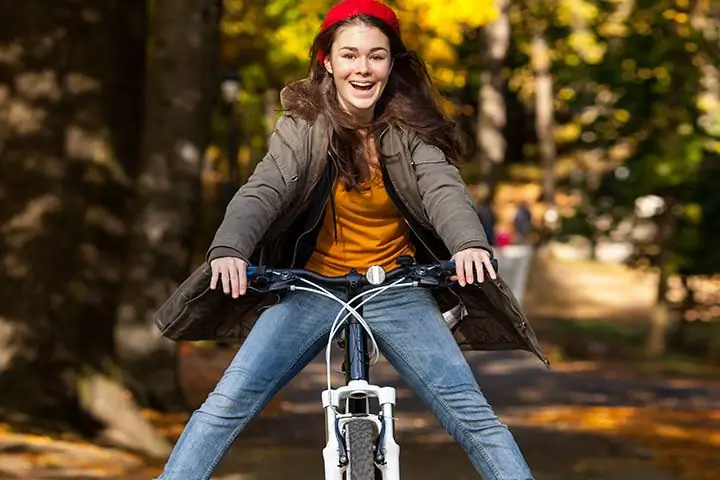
pixel 349 8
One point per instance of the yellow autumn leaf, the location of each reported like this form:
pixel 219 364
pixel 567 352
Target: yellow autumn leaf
pixel 621 115
pixel 438 50
pixel 569 132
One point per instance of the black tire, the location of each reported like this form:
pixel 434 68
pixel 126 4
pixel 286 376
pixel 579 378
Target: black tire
pixel 360 437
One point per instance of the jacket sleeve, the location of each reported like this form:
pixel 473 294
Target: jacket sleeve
pixel 446 201
pixel 267 193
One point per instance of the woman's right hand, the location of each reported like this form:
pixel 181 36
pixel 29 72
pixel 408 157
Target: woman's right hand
pixel 232 272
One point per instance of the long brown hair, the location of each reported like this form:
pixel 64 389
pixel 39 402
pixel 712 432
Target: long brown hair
pixel 409 101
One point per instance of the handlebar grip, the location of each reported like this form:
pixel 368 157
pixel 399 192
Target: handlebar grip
pixel 447 265
pixel 255 273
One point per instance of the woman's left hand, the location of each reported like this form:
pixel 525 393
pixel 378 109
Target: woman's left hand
pixel 466 259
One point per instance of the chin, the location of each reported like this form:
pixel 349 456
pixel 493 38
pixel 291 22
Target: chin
pixel 364 106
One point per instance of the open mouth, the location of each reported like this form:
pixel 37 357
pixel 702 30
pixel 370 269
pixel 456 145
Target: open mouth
pixel 363 86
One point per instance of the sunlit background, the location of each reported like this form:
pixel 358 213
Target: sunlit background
pixel 125 125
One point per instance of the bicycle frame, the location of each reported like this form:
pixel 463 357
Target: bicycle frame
pixel 356 394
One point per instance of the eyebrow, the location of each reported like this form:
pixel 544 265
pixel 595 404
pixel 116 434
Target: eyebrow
pixel 372 50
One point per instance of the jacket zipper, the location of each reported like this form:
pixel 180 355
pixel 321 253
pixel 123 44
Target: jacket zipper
pixel 523 324
pixel 404 213
pixel 317 220
pixel 297 243
pixel 327 199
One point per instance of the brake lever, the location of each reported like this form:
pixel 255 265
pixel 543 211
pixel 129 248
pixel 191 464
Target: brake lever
pixel 260 280
pixel 427 281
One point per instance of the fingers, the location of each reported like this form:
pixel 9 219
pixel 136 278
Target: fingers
pixel 242 276
pixel 469 276
pixel 215 275
pixel 460 271
pixel 471 265
pixel 234 279
pixel 224 276
pixel 489 266
pixel 231 273
pixel 478 264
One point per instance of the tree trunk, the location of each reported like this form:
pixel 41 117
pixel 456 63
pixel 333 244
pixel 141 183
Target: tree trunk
pixel 270 108
pixel 678 340
pixel 68 130
pixel 492 111
pixel 180 88
pixel 706 20
pixel 660 322
pixel 544 118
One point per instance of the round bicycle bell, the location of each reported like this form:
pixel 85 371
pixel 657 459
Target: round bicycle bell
pixel 375 275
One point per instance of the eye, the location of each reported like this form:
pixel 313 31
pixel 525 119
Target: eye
pixel 377 57
pixel 349 56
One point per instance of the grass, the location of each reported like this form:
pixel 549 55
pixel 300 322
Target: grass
pixel 615 341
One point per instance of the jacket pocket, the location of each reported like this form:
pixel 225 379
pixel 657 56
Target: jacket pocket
pixel 194 290
pixel 172 314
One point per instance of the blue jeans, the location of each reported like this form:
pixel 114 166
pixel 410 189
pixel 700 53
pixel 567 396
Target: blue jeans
pixel 411 334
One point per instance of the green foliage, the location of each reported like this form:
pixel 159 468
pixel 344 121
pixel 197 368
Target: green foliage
pixel 268 43
pixel 630 81
pixel 642 104
pixel 579 223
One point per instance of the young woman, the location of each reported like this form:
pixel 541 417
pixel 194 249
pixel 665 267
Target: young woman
pixel 361 169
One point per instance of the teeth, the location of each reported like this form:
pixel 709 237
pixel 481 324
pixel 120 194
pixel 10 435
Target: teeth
pixel 362 84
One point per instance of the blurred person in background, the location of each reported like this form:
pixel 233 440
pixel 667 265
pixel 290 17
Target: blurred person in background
pixel 523 224
pixel 488 219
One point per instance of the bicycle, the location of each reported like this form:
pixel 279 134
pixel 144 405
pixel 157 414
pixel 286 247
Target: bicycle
pixel 360 445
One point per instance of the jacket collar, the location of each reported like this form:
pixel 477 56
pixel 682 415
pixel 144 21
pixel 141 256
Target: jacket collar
pixel 391 142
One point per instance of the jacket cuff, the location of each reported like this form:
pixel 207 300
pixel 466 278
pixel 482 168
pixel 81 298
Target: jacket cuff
pixel 475 244
pixel 219 252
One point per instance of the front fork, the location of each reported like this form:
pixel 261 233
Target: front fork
pixel 335 453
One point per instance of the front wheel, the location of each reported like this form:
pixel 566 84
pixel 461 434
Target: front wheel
pixel 360 437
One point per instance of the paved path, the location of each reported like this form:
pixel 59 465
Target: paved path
pixel 287 443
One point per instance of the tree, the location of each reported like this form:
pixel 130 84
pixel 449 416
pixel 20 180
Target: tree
pixel 182 81
pixel 669 147
pixel 636 113
pixel 544 117
pixel 69 131
pixel 492 111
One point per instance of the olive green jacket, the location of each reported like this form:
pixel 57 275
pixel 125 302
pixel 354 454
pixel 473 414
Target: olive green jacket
pixel 261 226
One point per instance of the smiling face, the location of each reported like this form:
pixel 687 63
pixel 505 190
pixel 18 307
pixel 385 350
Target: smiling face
pixel 359 63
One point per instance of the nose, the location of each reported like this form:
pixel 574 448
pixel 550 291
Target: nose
pixel 363 66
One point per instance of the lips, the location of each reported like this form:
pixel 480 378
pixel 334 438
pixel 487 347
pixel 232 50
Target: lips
pixel 362 86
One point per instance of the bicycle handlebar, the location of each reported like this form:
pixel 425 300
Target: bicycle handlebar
pixel 265 279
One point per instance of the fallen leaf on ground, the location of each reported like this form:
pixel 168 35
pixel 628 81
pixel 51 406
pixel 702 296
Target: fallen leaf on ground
pixel 684 442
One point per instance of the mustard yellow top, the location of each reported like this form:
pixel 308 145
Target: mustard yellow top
pixel 370 231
